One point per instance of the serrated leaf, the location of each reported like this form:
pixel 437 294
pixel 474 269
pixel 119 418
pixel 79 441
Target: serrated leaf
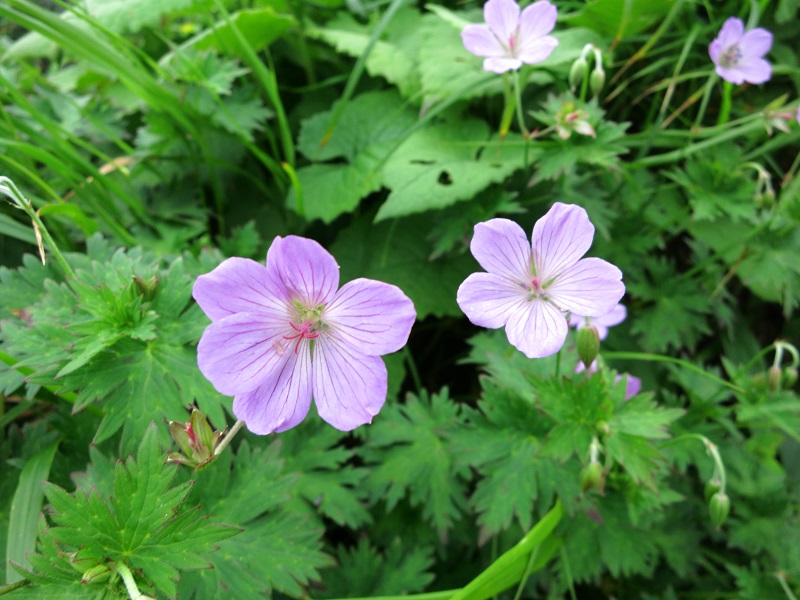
pixel 643 417
pixel 364 571
pixel 413 456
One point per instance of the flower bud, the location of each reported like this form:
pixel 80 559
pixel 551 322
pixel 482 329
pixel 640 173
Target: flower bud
pixel 789 377
pixel 712 487
pixel 774 376
pixel 588 344
pixel 146 287
pixel 596 81
pixel 97 574
pixel 196 440
pixel 719 507
pixel 577 72
pixel 591 477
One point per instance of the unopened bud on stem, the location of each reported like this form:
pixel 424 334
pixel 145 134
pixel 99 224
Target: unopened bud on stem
pixel 588 344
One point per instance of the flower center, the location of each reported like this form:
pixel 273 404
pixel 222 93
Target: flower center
pixel 512 43
pixel 731 56
pixel 305 331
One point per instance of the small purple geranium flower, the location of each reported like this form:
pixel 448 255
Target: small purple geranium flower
pixel 281 334
pixel 511 38
pixel 602 323
pixel 739 55
pixel 530 286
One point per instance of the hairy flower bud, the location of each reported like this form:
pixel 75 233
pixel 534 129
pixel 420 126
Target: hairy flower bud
pixel 712 487
pixel 774 376
pixel 588 344
pixel 789 377
pixel 146 287
pixel 591 477
pixel 577 72
pixel 596 81
pixel 196 440
pixel 97 574
pixel 719 507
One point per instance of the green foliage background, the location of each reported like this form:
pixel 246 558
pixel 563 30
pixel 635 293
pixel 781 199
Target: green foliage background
pixel 156 138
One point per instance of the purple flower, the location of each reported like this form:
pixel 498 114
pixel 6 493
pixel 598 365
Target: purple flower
pixel 739 56
pixel 530 286
pixel 601 323
pixel 509 38
pixel 633 385
pixel 282 333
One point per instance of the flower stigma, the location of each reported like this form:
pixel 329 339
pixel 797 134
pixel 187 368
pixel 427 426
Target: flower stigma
pixel 731 56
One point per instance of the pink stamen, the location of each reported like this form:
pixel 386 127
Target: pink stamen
pixel 303 333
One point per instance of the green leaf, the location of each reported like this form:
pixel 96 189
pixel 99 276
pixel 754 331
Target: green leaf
pixel 412 455
pixel 393 252
pixel 24 513
pixel 643 417
pixel 392 58
pixel 363 571
pixel 279 549
pixel 326 483
pixel 443 164
pixel 621 18
pixel 118 16
pixel 140 525
pixel 259 26
pixel 636 455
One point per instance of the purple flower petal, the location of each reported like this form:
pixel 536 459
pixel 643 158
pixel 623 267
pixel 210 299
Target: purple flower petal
pixel 731 74
pixel 616 316
pixel 237 285
pixel 756 71
pixel 535 51
pixel 373 316
pixel 755 43
pixel 307 270
pixel 489 300
pixel 349 388
pixel 537 20
pixel 538 330
pixel 591 287
pixel 281 401
pixel 239 352
pixel 560 238
pixel 480 41
pixel 731 32
pixel 501 247
pixel 501 64
pixel 633 385
pixel 502 17
pixel 714 50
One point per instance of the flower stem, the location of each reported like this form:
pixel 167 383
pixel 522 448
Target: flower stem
pixel 8 188
pixel 725 107
pixel 227 439
pixel 676 361
pixel 518 97
pixel 706 96
pixel 130 584
pixel 713 452
pixel 508 109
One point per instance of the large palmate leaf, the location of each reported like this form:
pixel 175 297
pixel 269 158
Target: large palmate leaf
pixel 140 526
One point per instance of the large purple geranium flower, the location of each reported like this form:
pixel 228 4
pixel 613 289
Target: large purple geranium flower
pixel 530 286
pixel 511 38
pixel 739 56
pixel 281 334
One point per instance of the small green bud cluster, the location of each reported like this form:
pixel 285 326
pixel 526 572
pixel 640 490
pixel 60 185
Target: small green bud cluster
pixel 580 69
pixel 197 441
pixel 592 475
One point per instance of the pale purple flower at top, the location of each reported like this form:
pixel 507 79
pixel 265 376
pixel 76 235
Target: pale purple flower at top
pixel 281 334
pixel 511 38
pixel 633 385
pixel 530 286
pixel 739 55
pixel 798 114
pixel 601 323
